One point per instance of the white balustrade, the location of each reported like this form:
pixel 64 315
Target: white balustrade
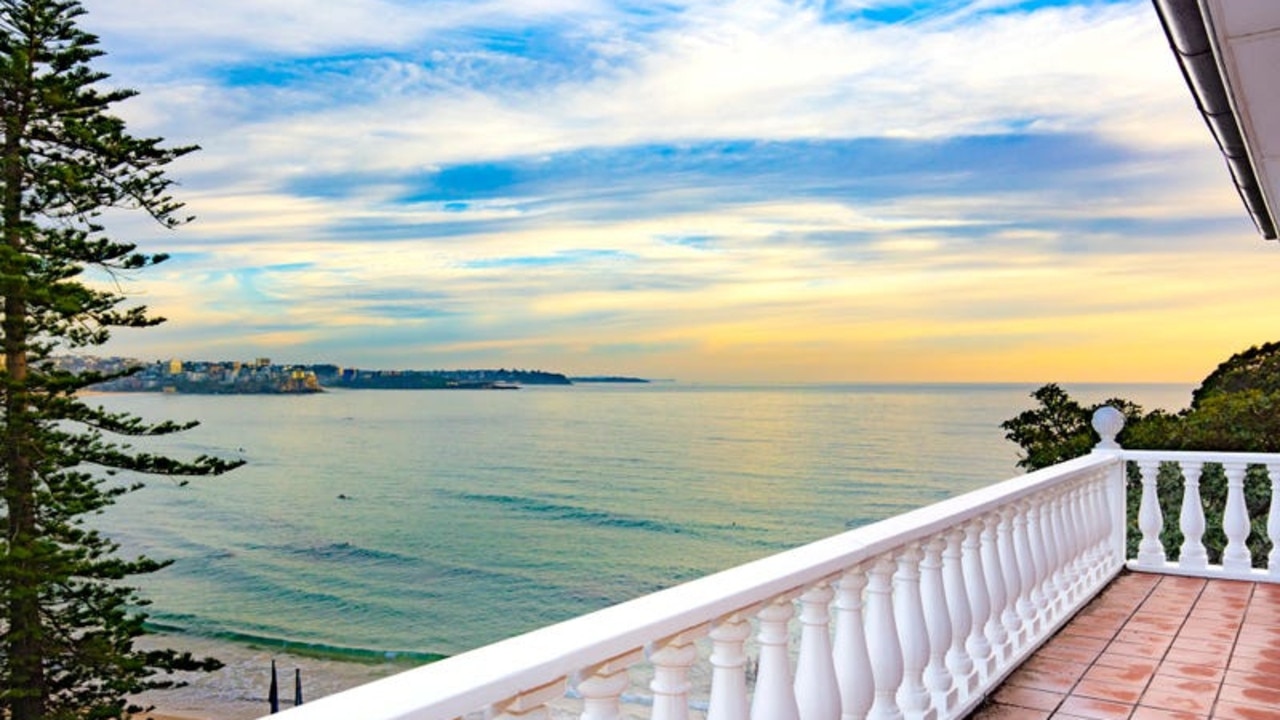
pixel 931 610
pixel 1237 561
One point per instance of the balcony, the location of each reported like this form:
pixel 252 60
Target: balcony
pixel 922 615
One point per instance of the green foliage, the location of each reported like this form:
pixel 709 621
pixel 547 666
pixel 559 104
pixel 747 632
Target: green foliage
pixel 68 619
pixel 1247 420
pixel 1060 428
pixel 1257 368
pixel 1235 409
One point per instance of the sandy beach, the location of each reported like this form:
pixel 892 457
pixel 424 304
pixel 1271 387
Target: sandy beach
pixel 239 690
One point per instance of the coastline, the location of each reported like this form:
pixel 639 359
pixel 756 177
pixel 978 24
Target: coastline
pixel 239 690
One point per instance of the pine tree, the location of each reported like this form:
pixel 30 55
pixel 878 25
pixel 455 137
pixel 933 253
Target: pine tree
pixel 68 619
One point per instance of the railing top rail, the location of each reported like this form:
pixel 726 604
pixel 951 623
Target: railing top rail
pixel 1201 456
pixel 466 682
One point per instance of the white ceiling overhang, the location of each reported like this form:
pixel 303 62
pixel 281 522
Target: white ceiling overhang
pixel 1229 52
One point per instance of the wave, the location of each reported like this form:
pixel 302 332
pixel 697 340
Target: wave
pixel 575 513
pixel 345 551
pixel 305 649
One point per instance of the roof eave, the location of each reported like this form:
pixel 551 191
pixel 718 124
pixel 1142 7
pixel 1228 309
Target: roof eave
pixel 1188 25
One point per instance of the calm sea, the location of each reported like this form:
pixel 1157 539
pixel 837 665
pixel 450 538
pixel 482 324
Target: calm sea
pixel 429 522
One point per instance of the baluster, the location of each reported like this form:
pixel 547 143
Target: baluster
pixel 853 664
pixel 1026 570
pixel 1092 513
pixel 1273 521
pixel 1055 581
pixel 1092 552
pixel 994 571
pixel 958 660
pixel 908 611
pixel 1010 616
pixel 882 642
pixel 1107 561
pixel 1150 521
pixel 1192 555
pixel 671 660
pixel 937 677
pixel 729 669
pixel 775 697
pixel 1039 564
pixel 1235 521
pixel 817 690
pixel 602 685
pixel 975 583
pixel 1079 564
pixel 530 704
pixel 1071 525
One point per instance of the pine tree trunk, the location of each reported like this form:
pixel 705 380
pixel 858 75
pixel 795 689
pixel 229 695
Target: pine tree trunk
pixel 23 643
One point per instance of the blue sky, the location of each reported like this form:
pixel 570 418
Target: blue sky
pixel 745 190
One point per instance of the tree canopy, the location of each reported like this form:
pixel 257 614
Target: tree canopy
pixel 68 618
pixel 1235 409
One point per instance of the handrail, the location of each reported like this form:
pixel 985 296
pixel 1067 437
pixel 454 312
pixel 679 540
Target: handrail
pixel 1202 456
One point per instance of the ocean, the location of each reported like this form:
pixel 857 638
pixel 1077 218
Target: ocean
pixel 392 527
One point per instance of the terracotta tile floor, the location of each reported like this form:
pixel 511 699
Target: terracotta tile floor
pixel 1155 647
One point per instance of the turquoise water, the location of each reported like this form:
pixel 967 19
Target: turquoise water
pixel 430 522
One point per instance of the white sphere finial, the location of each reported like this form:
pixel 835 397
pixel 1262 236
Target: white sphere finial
pixel 1108 421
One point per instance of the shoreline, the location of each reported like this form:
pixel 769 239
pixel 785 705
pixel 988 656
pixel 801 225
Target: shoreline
pixel 238 691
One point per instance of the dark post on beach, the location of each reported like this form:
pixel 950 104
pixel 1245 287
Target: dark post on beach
pixel 273 695
pixel 297 687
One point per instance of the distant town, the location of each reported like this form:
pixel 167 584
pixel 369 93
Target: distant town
pixel 263 377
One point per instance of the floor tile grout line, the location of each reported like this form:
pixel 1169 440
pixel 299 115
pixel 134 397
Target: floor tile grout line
pixel 1129 619
pixel 1231 653
pixel 1186 618
pixel 1093 663
pixel 1202 603
pixel 1130 608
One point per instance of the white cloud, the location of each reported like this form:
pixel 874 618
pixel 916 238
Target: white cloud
pixel 190 31
pixel 761 69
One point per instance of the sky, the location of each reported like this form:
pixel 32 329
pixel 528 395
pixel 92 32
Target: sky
pixel 710 191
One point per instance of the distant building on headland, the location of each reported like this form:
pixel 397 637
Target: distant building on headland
pixel 200 376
